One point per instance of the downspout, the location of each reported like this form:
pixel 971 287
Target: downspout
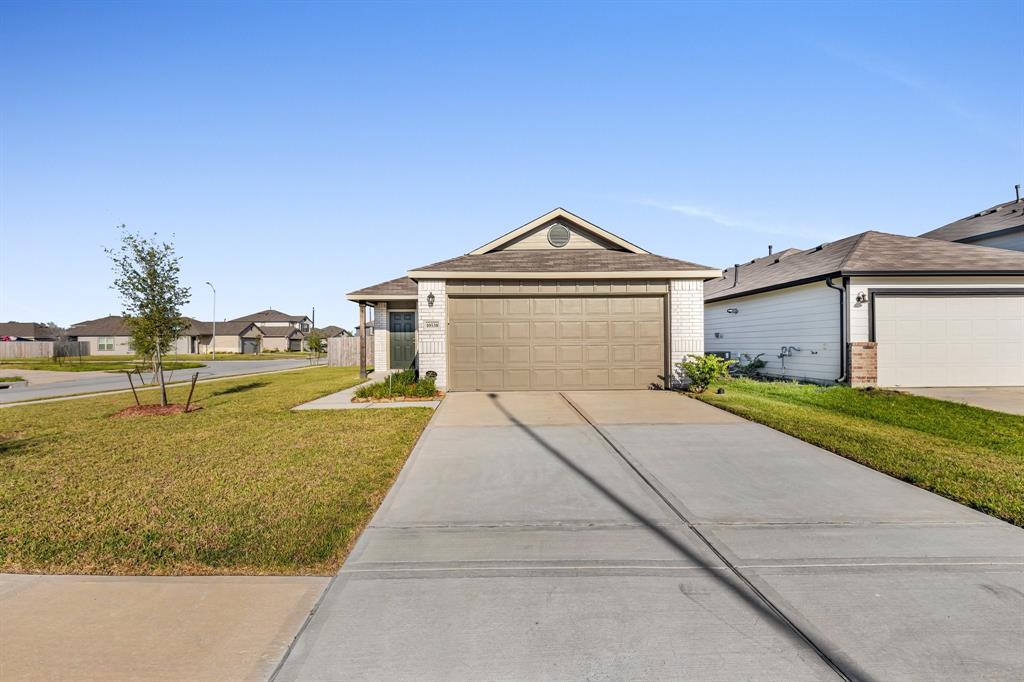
pixel 842 329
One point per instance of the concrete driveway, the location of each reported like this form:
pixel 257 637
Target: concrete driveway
pixel 999 398
pixel 73 383
pixel 644 535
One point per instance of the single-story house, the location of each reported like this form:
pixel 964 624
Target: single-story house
pixel 1001 226
pixel 106 335
pixel 558 303
pixel 232 337
pixel 27 331
pixel 876 309
pixel 331 331
pixel 275 318
pixel 281 338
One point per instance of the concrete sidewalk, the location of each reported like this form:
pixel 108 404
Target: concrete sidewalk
pixel 211 628
pixel 999 398
pixel 644 535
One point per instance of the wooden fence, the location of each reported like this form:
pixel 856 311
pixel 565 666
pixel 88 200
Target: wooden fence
pixel 15 350
pixel 343 351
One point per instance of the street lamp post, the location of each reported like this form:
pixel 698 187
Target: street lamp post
pixel 213 347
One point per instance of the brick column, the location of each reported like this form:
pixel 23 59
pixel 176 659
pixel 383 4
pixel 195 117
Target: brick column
pixel 381 340
pixel 862 359
pixel 432 330
pixel 685 319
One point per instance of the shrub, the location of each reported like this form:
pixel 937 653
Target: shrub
pixel 701 370
pixel 400 384
pixel 748 367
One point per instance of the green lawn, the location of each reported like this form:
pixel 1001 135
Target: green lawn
pixel 99 365
pixel 243 486
pixel 11 378
pixel 967 454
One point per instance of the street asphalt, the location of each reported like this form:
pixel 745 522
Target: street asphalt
pixel 94 382
pixel 644 535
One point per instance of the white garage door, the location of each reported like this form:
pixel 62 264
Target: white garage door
pixel 950 340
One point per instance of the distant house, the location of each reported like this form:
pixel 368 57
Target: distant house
pixel 1001 226
pixel 281 338
pixel 106 335
pixel 232 337
pixel 26 331
pixel 331 331
pixel 275 318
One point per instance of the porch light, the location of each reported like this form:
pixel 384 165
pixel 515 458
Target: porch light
pixel 430 300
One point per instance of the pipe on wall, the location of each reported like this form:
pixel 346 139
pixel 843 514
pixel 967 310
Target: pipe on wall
pixel 842 328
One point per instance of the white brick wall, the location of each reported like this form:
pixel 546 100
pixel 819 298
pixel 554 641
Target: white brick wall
pixel 432 331
pixel 381 340
pixel 686 319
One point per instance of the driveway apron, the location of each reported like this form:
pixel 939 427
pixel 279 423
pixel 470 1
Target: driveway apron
pixel 644 535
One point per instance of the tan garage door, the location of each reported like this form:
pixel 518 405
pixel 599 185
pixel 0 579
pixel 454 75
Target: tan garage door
pixel 555 343
pixel 950 340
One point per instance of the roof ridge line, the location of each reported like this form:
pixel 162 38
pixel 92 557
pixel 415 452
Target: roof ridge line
pixel 853 249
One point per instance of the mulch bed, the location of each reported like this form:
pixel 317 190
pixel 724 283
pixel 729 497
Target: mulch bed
pixel 152 411
pixel 400 399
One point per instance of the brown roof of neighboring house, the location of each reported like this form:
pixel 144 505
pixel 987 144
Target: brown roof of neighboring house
pixel 111 325
pixel 331 331
pixel 400 286
pixel 555 261
pixel 866 253
pixel 998 218
pixel 26 330
pixel 230 327
pixel 270 315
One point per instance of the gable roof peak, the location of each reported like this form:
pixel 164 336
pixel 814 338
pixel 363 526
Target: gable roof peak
pixel 552 215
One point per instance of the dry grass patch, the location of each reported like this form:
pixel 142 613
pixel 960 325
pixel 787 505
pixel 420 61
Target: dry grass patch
pixel 243 486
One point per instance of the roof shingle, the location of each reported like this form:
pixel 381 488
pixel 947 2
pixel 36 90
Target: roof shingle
pixel 555 261
pixel 400 286
pixel 862 254
pixel 995 219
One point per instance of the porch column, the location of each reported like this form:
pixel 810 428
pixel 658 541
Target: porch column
pixel 362 339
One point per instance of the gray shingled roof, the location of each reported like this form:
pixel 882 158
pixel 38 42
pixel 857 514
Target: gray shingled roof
pixel 111 325
pixel 995 219
pixel 26 330
pixel 280 332
pixel 863 254
pixel 331 331
pixel 400 286
pixel 554 261
pixel 269 315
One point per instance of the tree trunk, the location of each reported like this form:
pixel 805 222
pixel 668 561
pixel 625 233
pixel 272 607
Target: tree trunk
pixel 160 374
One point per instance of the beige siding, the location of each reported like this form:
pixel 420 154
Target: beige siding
pixel 276 343
pixel 122 345
pixel 578 239
pixel 806 317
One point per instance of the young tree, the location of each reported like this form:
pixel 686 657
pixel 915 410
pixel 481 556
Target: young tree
pixel 315 342
pixel 146 274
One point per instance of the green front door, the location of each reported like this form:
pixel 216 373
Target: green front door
pixel 403 339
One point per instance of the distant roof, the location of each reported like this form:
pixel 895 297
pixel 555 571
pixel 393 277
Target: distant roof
pixel 331 331
pixel 26 330
pixel 552 261
pixel 995 219
pixel 270 315
pixel 280 332
pixel 863 254
pixel 400 287
pixel 111 325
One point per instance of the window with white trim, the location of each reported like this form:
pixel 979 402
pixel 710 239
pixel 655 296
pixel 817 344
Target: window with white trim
pixel 105 343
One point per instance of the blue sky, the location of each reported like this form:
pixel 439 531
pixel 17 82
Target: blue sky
pixel 300 151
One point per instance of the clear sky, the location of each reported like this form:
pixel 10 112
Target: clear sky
pixel 297 151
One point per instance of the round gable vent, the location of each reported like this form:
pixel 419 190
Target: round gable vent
pixel 558 235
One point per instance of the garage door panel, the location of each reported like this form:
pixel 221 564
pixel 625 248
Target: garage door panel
pixel 556 342
pixel 940 340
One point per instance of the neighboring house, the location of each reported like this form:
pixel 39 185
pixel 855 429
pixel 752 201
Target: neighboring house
pixel 275 318
pixel 106 336
pixel 331 331
pixel 876 309
pixel 1001 226
pixel 26 331
pixel 281 338
pixel 558 303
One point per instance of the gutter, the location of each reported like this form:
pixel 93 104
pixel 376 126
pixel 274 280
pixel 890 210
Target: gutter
pixel 842 326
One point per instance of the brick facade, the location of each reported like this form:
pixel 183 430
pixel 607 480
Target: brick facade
pixel 381 339
pixel 686 319
pixel 862 363
pixel 431 330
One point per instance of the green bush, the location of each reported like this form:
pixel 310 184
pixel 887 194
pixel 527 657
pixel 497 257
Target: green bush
pixel 701 370
pixel 399 384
